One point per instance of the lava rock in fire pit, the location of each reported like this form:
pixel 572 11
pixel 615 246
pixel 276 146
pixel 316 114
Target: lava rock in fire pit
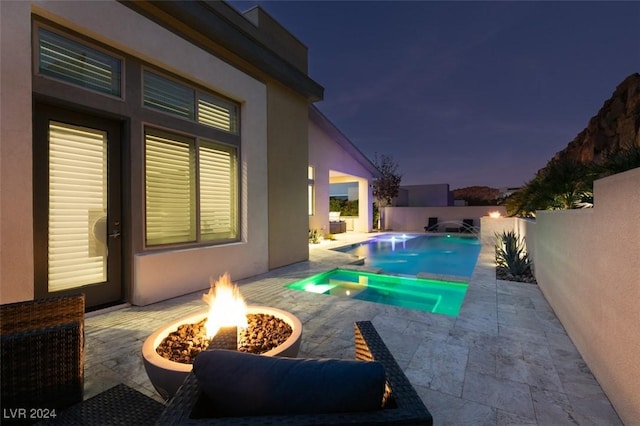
pixel 264 333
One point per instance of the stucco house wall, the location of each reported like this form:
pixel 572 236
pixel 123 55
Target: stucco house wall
pixel 288 121
pixel 16 196
pixel 157 274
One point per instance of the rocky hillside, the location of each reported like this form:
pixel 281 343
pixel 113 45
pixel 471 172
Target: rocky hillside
pixel 616 125
pixel 476 194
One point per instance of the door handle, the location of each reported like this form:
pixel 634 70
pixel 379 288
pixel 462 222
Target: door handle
pixel 115 233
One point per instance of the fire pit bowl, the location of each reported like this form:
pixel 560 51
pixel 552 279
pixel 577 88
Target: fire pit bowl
pixel 167 376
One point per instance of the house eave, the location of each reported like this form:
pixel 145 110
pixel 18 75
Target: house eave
pixel 336 135
pixel 211 24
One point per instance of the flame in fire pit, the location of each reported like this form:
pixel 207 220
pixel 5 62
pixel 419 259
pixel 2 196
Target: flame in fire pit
pixel 226 306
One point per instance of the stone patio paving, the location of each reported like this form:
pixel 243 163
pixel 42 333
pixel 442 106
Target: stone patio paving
pixel 505 360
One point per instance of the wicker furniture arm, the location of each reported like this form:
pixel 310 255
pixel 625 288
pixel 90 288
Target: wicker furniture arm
pixel 402 405
pixel 42 344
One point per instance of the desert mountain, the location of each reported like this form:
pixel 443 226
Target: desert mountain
pixel 615 126
pixel 476 194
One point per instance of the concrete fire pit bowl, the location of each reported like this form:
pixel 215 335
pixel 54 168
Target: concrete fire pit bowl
pixel 167 376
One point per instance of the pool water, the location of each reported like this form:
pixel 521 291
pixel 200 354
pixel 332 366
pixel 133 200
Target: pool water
pixel 440 297
pixel 413 254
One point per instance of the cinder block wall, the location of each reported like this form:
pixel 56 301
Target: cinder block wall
pixel 587 264
pixel 588 268
pixel 414 219
pixel 490 226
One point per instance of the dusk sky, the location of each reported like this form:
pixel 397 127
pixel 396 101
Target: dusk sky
pixel 464 93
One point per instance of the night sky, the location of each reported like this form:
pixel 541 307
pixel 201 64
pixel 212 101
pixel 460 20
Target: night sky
pixel 464 93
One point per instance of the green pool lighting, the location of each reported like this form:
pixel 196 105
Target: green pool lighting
pixel 440 297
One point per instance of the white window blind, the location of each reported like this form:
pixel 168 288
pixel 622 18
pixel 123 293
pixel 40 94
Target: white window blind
pixel 169 96
pixel 217 113
pixel 179 99
pixel 76 63
pixel 218 216
pixel 310 190
pixel 170 189
pixel 77 200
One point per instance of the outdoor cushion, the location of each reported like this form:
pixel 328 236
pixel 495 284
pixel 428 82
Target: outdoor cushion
pixel 334 216
pixel 242 384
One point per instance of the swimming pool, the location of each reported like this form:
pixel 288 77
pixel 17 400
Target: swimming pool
pixel 411 254
pixel 440 297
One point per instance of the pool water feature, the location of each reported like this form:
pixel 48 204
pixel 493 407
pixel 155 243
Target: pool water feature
pixel 444 254
pixel 440 297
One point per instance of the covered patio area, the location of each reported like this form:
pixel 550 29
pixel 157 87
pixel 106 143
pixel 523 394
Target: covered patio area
pixel 333 159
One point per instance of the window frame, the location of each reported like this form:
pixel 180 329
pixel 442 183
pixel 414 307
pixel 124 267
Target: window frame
pixel 183 127
pixel 234 124
pixel 170 80
pixel 89 43
pixel 193 182
pixel 194 149
pixel 135 117
pixel 234 204
pixel 198 94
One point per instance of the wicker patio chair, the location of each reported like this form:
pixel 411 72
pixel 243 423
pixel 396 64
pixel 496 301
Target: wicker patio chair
pixel 401 405
pixel 42 345
pixel 119 405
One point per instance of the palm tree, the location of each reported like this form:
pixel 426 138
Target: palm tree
pixel 619 161
pixel 562 184
pixel 528 199
pixel 568 184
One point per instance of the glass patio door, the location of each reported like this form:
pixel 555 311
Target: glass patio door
pixel 77 206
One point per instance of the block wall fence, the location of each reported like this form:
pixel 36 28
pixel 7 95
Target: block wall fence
pixel 587 264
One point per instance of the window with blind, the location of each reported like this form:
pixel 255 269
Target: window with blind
pixel 179 99
pixel 218 211
pixel 311 190
pixel 217 113
pixel 168 96
pixel 170 188
pixel 179 207
pixel 73 62
pixel 191 176
pixel 77 206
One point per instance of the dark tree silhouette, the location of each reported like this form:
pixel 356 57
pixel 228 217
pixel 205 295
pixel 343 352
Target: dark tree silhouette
pixel 386 187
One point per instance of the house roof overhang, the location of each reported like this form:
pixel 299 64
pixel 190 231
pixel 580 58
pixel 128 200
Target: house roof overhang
pixel 337 136
pixel 218 28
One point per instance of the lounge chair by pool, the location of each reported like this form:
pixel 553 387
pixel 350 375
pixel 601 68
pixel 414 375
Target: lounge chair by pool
pixel 432 225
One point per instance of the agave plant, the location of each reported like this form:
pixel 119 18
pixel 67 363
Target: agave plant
pixel 511 253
